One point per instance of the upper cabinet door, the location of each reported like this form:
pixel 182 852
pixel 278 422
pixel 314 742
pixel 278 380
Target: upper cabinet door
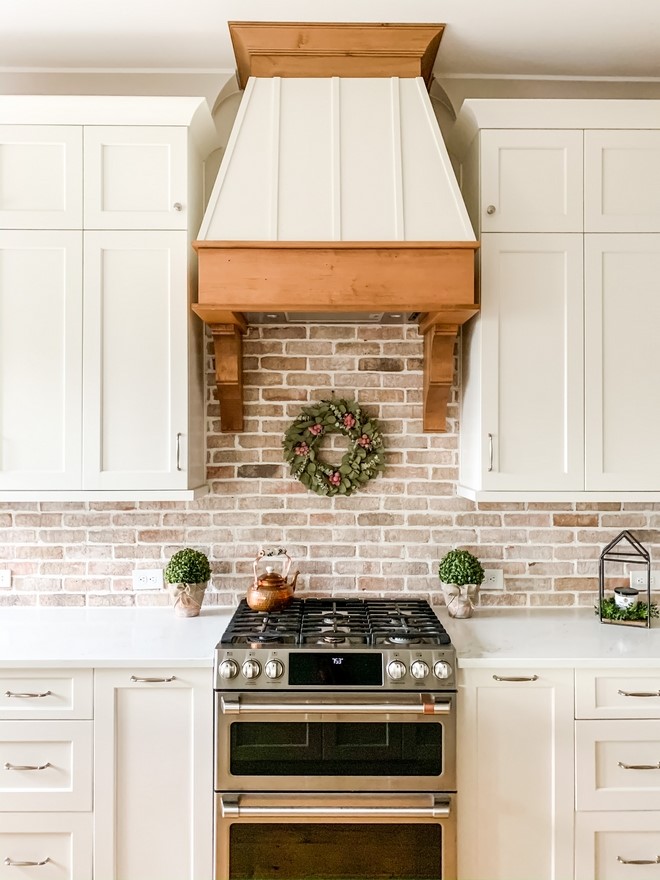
pixel 40 177
pixel 532 388
pixel 531 181
pixel 135 177
pixel 622 362
pixel 622 181
pixel 40 359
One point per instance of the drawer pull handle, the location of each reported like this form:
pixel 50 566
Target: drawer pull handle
pixel 28 696
pixel 14 863
pixel 9 766
pixel 639 693
pixel 639 766
pixel 655 861
pixel 134 678
pixel 516 677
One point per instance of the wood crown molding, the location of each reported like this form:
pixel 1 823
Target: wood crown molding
pixel 326 49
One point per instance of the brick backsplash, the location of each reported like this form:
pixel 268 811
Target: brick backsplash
pixel 387 538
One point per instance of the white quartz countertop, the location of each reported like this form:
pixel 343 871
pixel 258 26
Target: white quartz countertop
pixel 109 636
pixel 515 638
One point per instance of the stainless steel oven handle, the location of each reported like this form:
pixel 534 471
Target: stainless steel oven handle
pixel 233 706
pixel 439 810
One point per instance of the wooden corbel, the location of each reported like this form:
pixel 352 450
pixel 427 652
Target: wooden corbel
pixel 227 329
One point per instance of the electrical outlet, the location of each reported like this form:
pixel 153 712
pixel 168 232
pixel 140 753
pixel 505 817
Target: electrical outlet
pixel 147 578
pixel 638 580
pixel 493 579
pixel 5 578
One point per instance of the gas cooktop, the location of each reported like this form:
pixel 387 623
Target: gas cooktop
pixel 315 643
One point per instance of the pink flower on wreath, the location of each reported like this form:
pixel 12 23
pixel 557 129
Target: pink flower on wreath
pixel 349 421
pixel 335 479
pixel 316 430
pixel 301 449
pixel 365 441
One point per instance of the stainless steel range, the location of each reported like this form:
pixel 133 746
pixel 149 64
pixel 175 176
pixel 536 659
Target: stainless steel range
pixel 335 734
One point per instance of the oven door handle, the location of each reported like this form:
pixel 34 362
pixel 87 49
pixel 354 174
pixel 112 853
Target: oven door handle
pixel 426 706
pixel 439 809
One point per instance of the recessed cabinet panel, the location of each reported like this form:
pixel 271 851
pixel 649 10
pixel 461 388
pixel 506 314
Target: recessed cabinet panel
pixel 531 326
pixel 40 177
pixel 135 177
pixel 622 181
pixel 531 181
pixel 622 361
pixel 40 342
pixel 135 432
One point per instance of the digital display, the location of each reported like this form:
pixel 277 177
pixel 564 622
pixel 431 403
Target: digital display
pixel 333 669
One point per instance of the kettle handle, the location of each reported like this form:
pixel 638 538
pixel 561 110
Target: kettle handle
pixel 279 552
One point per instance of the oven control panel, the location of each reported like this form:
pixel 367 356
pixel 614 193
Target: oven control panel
pixel 267 668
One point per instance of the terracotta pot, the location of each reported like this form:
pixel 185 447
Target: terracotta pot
pixel 188 598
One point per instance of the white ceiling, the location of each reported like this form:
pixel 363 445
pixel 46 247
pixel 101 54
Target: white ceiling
pixel 484 38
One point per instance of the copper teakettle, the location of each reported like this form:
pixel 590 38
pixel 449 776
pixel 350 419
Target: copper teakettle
pixel 271 591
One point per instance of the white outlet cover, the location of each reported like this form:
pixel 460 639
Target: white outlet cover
pixel 5 578
pixel 493 579
pixel 147 578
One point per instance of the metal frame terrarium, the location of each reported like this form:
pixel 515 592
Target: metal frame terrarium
pixel 636 554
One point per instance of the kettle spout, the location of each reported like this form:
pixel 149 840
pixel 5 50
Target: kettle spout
pixel 293 582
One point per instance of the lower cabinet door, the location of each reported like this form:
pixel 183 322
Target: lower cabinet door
pixel 50 846
pixel 153 794
pixel 617 846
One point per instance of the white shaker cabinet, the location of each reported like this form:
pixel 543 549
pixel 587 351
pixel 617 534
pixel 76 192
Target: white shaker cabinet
pixel 522 376
pixel 40 359
pixel 113 366
pixel 515 767
pixel 153 753
pixel 622 361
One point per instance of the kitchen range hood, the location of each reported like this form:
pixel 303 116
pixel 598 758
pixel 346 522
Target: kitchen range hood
pixel 336 197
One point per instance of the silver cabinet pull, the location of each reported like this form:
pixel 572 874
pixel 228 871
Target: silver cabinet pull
pixel 655 861
pixel 14 863
pixel 438 810
pixel 134 678
pixel 516 677
pixel 9 766
pixel 490 453
pixel 178 451
pixel 233 706
pixel 28 696
pixel 177 206
pixel 639 693
pixel 491 209
pixel 639 766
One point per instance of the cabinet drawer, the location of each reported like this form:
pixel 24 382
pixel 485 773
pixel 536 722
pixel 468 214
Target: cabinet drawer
pixel 606 844
pixel 45 765
pixel 617 765
pixel 615 694
pixel 58 846
pixel 53 694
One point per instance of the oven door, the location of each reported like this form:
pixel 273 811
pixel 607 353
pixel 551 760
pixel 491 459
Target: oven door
pixel 347 836
pixel 339 742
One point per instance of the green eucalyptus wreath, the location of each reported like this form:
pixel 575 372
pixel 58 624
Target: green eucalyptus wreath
pixel 361 462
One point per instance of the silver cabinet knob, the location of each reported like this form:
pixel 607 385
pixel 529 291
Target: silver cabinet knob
pixel 251 669
pixel 442 669
pixel 396 670
pixel 419 669
pixel 491 209
pixel 228 669
pixel 274 669
pixel 177 206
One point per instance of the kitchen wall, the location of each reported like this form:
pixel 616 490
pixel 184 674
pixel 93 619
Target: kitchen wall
pixel 387 538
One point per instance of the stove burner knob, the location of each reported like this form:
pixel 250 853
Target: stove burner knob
pixel 419 669
pixel 396 670
pixel 251 669
pixel 228 669
pixel 274 669
pixel 442 669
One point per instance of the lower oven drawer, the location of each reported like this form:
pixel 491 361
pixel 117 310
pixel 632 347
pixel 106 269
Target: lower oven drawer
pixel 346 742
pixel 344 836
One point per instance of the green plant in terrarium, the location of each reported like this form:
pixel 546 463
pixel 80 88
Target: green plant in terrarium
pixel 609 610
pixel 188 566
pixel 460 567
